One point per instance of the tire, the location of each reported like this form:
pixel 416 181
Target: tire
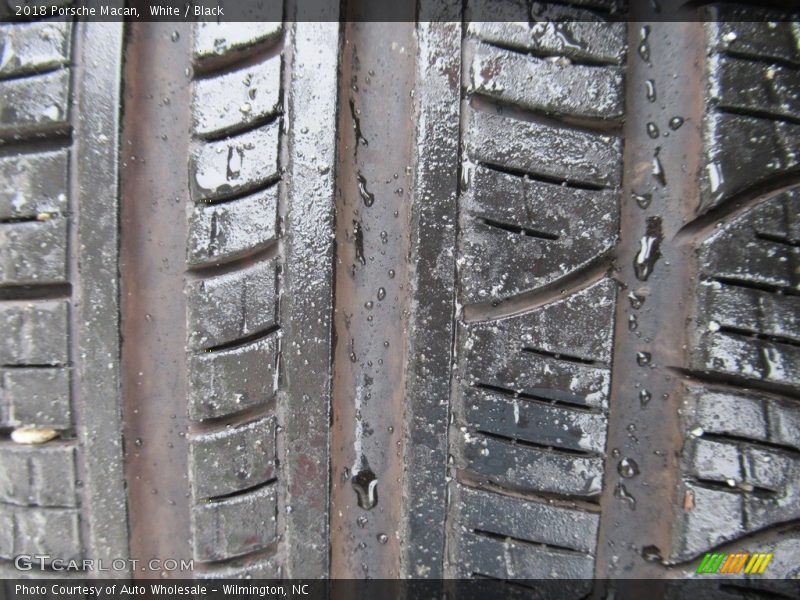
pixel 429 297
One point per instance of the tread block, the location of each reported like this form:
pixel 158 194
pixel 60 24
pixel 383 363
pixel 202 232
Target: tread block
pixel 262 569
pixel 518 235
pixel 537 84
pixel 711 518
pixel 235 99
pixel 735 250
pixel 38 475
pixel 235 526
pixel 713 461
pixel 31 184
pixel 510 560
pixel 36 104
pixel 750 310
pixel 779 218
pixel 36 333
pixel 33 252
pixel 745 356
pixel 236 164
pixel 232 306
pixel 530 468
pixel 535 522
pixel 33 47
pixel 551 30
pixel 224 231
pixel 754 86
pixel 543 150
pixel 543 378
pixel 534 422
pixel 753 32
pixel 228 381
pixel 760 418
pixel 213 40
pixel 715 516
pixel 769 148
pixel 35 398
pixel 233 459
pixel 53 531
pixel 580 326
pixel 734 313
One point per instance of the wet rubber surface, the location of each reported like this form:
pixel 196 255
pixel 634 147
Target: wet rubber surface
pixel 152 267
pixel 373 190
pixel 513 300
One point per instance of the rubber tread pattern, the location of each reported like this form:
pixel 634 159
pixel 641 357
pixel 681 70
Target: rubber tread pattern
pixel 233 329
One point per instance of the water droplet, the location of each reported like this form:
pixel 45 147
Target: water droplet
pixel 636 300
pixel 234 164
pixel 650 90
pixel 366 195
pixel 652 130
pixel 358 242
pixel 649 249
pixel 175 36
pixel 658 169
pixel 362 521
pixel 632 323
pixel 138 441
pixel 357 124
pixel 368 305
pixel 628 468
pixel 651 554
pixel 715 178
pixel 675 123
pixel 643 200
pixel 644 47
pixel 391 273
pixel 365 484
pixel 623 494
pixel 383 538
pixel 381 294
pixel 643 358
pixel 644 397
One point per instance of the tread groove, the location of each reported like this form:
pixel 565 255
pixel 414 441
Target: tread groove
pixel 525 443
pixel 480 101
pixel 243 341
pixel 756 113
pixel 735 384
pixel 747 333
pixel 568 183
pixel 504 538
pixel 541 399
pixel 235 494
pixel 472 480
pixel 516 229
pixel 231 132
pixel 234 263
pixel 42 291
pixel 583 61
pixel 562 356
pixel 728 437
pixel 559 289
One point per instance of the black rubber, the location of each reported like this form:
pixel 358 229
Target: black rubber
pixel 553 333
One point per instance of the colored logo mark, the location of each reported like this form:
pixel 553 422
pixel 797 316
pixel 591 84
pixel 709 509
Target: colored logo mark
pixel 721 563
